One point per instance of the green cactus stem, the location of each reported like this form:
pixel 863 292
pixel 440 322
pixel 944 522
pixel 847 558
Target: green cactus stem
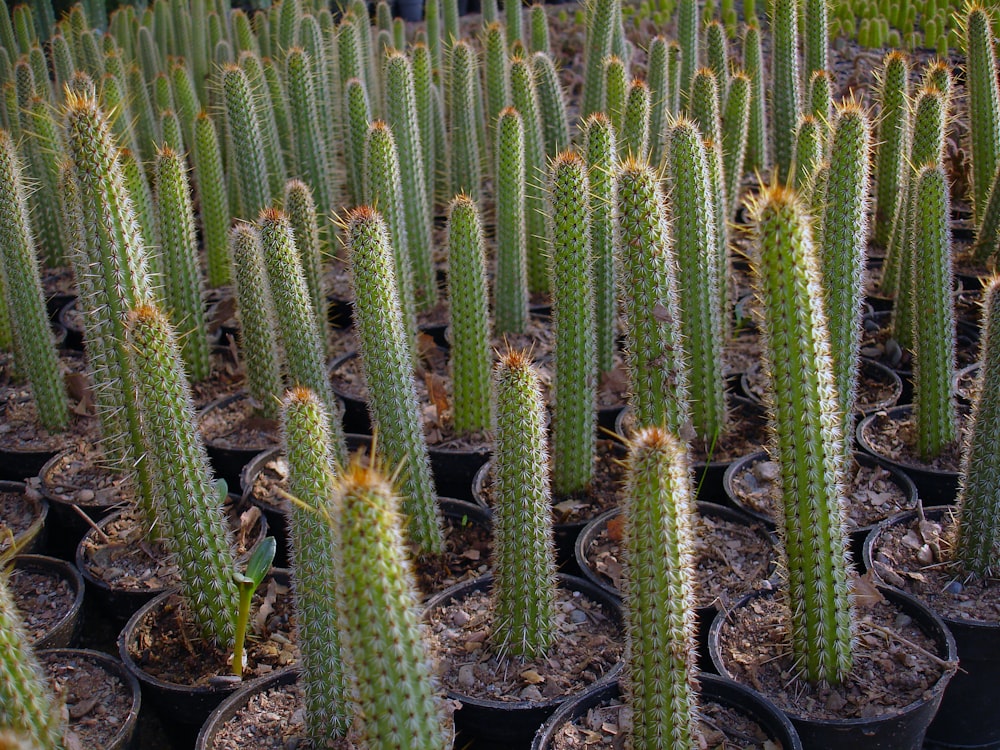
pixel 511 295
pixel 497 75
pixel 807 439
pixel 539 21
pixel 423 91
pixel 658 80
pixel 524 553
pixel 688 29
pixel 598 47
pixel 388 365
pixel 615 88
pixel 821 101
pixel 268 125
pixel 555 124
pixel 313 543
pixel 635 124
pixel 211 186
pixel 246 140
pixel 736 125
pixel 988 235
pixel 379 619
pixel 717 58
pixel 574 393
pixel 358 114
pixel 465 168
pixel 674 63
pixel 44 151
pixel 758 155
pixel 300 206
pixel 514 18
pixel 808 152
pixel 891 138
pixel 602 161
pixel 658 538
pixel 817 34
pixel 785 77
pixel 984 103
pixel 470 328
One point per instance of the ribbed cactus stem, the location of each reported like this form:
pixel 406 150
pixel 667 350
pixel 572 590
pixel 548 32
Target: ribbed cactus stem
pixel 496 71
pixel 303 215
pixel 688 27
pixel 470 327
pixel 258 327
pixel 423 92
pixel 465 168
pixel 717 58
pixel 574 393
pixel 658 80
pixel 524 554
pixel 758 155
pixel 786 84
pixel 379 619
pixel 674 64
pixel 891 139
pixel 211 186
pixel 807 439
pixel 602 165
pixel 555 124
pixel 817 34
pixel 654 349
pixel 736 125
pixel 934 316
pixel 183 285
pixel 539 21
pixel 984 103
pixel 514 18
pixel 34 348
pixel 313 543
pixel 246 140
pixel 821 101
pixel 189 506
pixel 388 364
pixel 659 541
pixel 511 295
pixel 635 124
pixel 598 46
pixel 264 113
pixel 45 151
pixel 358 115
pixel 615 88
pixel 988 235
pixel 808 152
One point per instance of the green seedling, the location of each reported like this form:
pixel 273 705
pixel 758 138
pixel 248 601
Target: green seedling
pixel 247 583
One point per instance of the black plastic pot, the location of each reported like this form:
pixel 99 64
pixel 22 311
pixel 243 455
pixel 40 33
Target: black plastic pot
pixel 32 539
pixel 967 716
pixel 934 486
pixel 127 737
pixel 714 689
pixel 356 418
pixel 455 469
pixel 513 723
pixel 65 631
pixel 227 459
pixel 904 729
pixel 69 320
pixel 18 464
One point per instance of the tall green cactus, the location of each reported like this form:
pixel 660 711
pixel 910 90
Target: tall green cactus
pixel 423 91
pixel 303 216
pixel 934 315
pixel 539 21
pixel 574 393
pixel 984 103
pixel 246 141
pixel 807 440
pixel 465 168
pixel 817 35
pixel 659 540
pixel 313 542
pixel 511 295
pixel 736 126
pixel 555 124
pixel 658 80
pixel 358 117
pixel 264 114
pixel 758 155
pixel 654 350
pixel 635 124
pixel 598 46
pixel 496 71
pixel 615 87
pixel 808 154
pixel 470 328
pixel 34 348
pixel 388 364
pixel 688 28
pixel 211 185
pixel 786 83
pixel 379 620
pixel 891 139
pixel 524 554
pixel 602 165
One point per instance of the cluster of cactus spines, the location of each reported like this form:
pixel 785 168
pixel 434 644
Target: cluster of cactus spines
pixel 984 103
pixel 808 154
pixel 934 316
pixel 303 215
pixel 654 351
pixel 694 229
pixel 598 47
pixel 524 591
pixel 511 297
pixel 575 383
pixel 635 123
pixel 246 140
pixel 401 114
pixel 388 366
pixel 602 164
pixel 555 124
pixel 978 544
pixel 786 84
pixel 658 80
pixel 211 187
pixel 736 125
pixel 659 539
pixel 807 438
pixel 470 328
pixel 34 348
pixel 313 543
pixel 891 139
pixel 189 506
pixel 392 681
pixel 758 155
pixel 26 703
pixel 182 289
pixel 465 167
pixel 688 28
pixel 615 88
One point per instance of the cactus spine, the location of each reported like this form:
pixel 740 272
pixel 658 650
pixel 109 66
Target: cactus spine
pixel 392 398
pixel 524 554
pixel 602 163
pixel 511 297
pixel 807 439
pixel 785 74
pixel 984 104
pixel 892 136
pixel 661 682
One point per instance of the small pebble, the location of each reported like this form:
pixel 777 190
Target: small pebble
pixel 466 676
pixel 767 471
pixel 872 352
pixel 955 587
pixel 902 620
pixel 578 616
pixel 893 352
pixel 459 618
pixel 85 496
pixel 531 693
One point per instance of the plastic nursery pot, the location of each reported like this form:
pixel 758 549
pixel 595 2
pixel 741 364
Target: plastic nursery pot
pixel 713 689
pixel 183 708
pixel 18 464
pixel 454 470
pixel 243 436
pixel 513 723
pixel 857 535
pixel 30 537
pixel 117 678
pixel 934 486
pixel 65 630
pixel 966 717
pixel 903 728
pixel 356 417
pixel 71 321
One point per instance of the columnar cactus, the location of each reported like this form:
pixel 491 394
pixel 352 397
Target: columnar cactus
pixel 602 164
pixel 891 140
pixel 807 439
pixel 388 365
pixel 717 58
pixel 659 539
pixel 674 64
pixel 658 80
pixel 465 167
pixel 817 34
pixel 552 103
pixel 654 350
pixel 497 75
pixel 786 84
pixel 514 18
pixel 688 26
pixel 511 297
pixel 988 235
pixel 313 543
pixel 736 125
pixel 539 40
pixel 34 348
pixel 934 316
pixel 210 184
pixel 378 616
pixel 358 116
pixel 302 215
pixel 808 153
pixel 246 140
pixel 45 151
pixel 598 46
pixel 575 387
pixel 615 87
pixel 189 505
pixel 423 92
pixel 984 103
pixel 268 125
pixel 758 156
pixel 470 329
pixel 524 553
pixel 635 124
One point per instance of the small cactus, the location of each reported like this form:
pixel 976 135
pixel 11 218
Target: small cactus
pixel 211 186
pixel 552 103
pixel 891 139
pixel 786 84
pixel 465 168
pixel 984 103
pixel 602 164
pixel 511 296
pixel 736 122
pixel 635 124
pixel 757 143
pixel 246 140
pixel 598 47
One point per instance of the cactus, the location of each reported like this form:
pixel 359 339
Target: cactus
pixel 736 125
pixel 514 21
pixel 264 113
pixel 470 329
pixel 602 162
pixel 658 80
pixel 302 214
pixel 358 116
pixel 984 104
pixel 574 389
pixel 524 553
pixel 785 77
pixel 978 545
pixel 658 539
pixel 44 151
pixel 423 91
pixel 313 543
pixel 891 139
pixel 635 124
pixel 717 59
pixel 555 125
pixel 674 64
pixel 511 295
pixel 988 234
pixel 388 365
pixel 808 153
pixel 934 317
pixel 615 86
pixel 539 21
pixel 466 176
pixel 807 439
pixel 211 186
pixel 598 47
pixel 497 75
pixel 246 140
pixel 34 348
pixel 391 676
pixel 758 156
pixel 189 506
pixel 817 34
pixel 687 37
pixel 654 349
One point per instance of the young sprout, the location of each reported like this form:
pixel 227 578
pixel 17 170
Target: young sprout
pixel 247 583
